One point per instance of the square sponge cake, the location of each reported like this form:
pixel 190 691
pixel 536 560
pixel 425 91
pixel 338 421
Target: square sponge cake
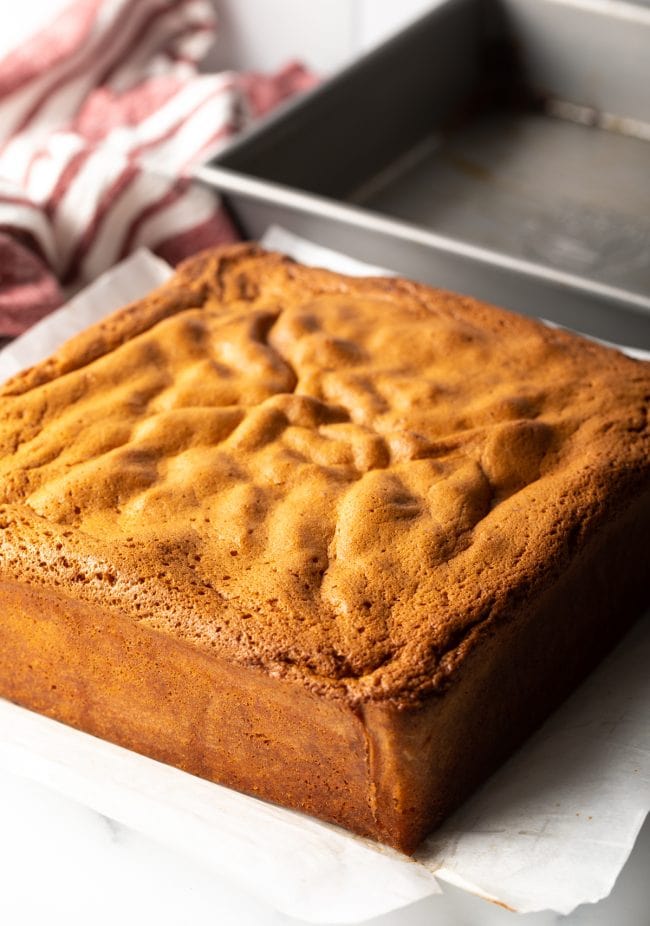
pixel 338 543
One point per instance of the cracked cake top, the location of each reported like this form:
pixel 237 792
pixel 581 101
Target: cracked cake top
pixel 346 481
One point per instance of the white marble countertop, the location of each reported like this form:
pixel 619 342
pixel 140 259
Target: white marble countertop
pixel 64 863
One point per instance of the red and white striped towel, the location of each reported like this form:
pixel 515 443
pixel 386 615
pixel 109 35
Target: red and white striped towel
pixel 102 115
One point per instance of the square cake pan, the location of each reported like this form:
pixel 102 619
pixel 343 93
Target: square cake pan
pixel 497 147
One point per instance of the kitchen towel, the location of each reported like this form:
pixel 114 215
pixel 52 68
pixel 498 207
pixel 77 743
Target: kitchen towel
pixel 103 113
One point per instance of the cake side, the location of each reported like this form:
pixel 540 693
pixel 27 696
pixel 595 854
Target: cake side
pixel 338 480
pixel 425 760
pixel 104 674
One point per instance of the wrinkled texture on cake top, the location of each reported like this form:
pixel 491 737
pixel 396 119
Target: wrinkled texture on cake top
pixel 341 480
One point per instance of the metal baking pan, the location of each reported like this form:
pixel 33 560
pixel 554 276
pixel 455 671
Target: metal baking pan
pixel 498 147
pixel 256 204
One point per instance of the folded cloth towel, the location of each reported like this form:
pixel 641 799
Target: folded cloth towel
pixel 102 116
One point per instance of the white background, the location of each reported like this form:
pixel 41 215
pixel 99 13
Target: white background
pixel 324 33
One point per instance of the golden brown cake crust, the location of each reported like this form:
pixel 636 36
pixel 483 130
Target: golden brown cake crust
pixel 348 483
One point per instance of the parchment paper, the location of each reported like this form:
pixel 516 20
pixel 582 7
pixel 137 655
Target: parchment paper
pixel 550 830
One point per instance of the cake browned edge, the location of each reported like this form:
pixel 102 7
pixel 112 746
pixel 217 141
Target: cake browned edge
pixel 389 770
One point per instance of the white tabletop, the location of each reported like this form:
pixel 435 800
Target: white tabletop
pixel 63 863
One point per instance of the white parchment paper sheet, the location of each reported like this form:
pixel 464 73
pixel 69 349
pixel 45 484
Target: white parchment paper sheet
pixel 551 830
